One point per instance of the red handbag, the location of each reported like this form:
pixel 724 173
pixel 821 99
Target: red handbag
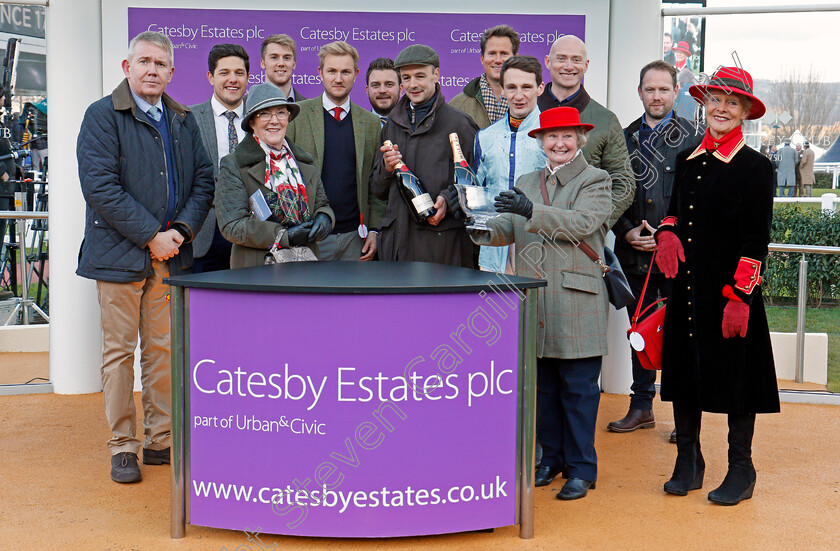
pixel 646 336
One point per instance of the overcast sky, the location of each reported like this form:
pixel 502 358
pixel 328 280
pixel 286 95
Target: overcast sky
pixel 766 42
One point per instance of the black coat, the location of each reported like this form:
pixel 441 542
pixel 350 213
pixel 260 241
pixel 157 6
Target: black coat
pixel 654 182
pixel 723 213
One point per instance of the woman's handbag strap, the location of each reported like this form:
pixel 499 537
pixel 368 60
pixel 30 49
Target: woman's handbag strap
pixel 644 290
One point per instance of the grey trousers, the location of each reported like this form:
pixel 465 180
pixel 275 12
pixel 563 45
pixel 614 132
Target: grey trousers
pixel 341 246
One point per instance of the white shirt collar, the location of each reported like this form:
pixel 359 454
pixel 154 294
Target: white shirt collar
pixel 567 163
pixel 219 109
pixel 329 105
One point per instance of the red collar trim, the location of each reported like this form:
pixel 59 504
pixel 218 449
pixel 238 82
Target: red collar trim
pixel 724 149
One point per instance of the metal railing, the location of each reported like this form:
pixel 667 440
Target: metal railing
pixel 24 303
pixel 802 297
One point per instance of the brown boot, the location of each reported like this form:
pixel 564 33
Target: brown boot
pixel 635 419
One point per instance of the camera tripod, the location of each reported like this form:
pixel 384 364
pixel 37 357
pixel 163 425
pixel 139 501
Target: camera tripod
pixel 33 261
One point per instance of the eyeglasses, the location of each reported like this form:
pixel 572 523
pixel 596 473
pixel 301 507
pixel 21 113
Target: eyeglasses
pixel 266 116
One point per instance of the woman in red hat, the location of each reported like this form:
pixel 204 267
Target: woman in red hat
pixel 682 52
pixel 716 352
pixel 548 212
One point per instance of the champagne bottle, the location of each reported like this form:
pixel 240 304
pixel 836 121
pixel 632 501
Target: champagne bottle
pixel 463 173
pixel 419 202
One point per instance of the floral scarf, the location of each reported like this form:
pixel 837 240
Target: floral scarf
pixel 286 194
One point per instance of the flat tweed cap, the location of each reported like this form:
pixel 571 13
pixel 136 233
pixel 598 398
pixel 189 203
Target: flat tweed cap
pixel 417 54
pixel 262 96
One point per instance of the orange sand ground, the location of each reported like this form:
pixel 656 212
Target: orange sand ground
pixel 55 490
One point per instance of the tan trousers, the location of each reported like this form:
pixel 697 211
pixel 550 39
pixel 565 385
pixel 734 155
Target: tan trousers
pixel 128 309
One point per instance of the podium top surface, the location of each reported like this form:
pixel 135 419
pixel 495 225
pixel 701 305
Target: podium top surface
pixel 375 278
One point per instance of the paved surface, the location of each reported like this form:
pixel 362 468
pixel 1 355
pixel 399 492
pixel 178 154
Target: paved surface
pixel 57 494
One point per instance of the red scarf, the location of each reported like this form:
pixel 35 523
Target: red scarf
pixel 726 144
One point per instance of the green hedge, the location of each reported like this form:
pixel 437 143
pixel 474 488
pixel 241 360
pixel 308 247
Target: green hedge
pixel 803 227
pixel 822 180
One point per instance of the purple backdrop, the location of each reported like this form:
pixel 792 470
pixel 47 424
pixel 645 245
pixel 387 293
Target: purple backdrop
pixel 457 443
pixel 455 36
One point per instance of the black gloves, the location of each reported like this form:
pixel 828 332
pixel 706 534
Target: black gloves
pixel 310 232
pixel 514 202
pixel 450 194
pixel 299 235
pixel 321 227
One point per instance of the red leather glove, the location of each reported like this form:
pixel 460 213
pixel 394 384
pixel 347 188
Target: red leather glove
pixel 736 314
pixel 669 253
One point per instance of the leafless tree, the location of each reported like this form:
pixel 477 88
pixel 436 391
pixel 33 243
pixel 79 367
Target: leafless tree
pixel 802 93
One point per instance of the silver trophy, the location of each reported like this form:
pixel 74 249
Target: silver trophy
pixel 477 204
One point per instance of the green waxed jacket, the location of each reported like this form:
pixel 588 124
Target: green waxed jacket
pixel 605 148
pixel 307 132
pixel 469 101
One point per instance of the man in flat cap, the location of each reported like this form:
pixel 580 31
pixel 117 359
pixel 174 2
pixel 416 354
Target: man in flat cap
pixel 419 127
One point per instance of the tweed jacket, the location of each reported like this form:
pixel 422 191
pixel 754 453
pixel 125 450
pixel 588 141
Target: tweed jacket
pixel 240 175
pixel 605 147
pixel 207 127
pixel 297 96
pixel 469 101
pixel 572 309
pixel 307 131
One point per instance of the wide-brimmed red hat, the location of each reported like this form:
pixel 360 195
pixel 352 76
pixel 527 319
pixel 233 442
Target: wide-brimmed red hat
pixel 683 47
pixel 559 117
pixel 730 80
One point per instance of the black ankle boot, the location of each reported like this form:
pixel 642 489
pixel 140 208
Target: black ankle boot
pixel 740 479
pixel 690 467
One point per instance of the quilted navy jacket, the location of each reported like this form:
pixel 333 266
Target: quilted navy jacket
pixel 122 169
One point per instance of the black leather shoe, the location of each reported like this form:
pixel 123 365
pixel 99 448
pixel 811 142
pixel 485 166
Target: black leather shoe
pixel 575 488
pixel 124 468
pixel 546 474
pixel 673 438
pixel 155 457
pixel 635 419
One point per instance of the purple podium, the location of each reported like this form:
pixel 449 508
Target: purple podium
pixel 353 399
